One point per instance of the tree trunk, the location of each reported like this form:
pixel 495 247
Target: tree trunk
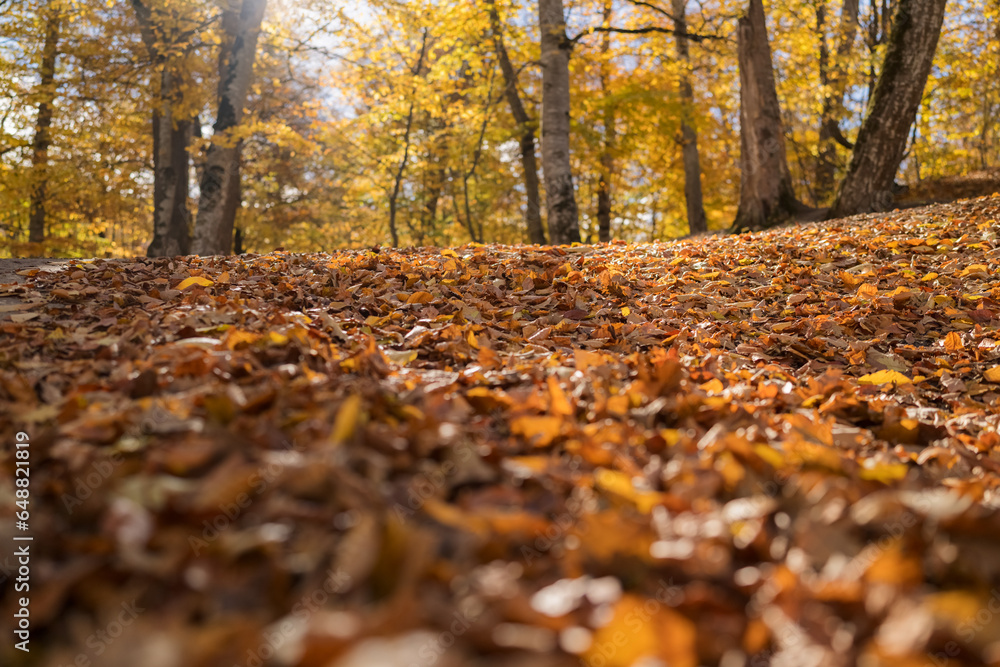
pixel 833 79
pixel 171 180
pixel 213 233
pixel 766 195
pixel 560 196
pixel 881 141
pixel 697 223
pixel 171 161
pixel 610 139
pixel 532 210
pixel 398 179
pixel 43 123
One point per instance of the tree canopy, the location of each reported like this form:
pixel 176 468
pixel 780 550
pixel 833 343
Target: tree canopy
pixel 416 123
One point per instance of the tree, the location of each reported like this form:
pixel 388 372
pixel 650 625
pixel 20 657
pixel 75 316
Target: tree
pixel 398 180
pixel 881 141
pixel 697 222
pixel 43 123
pixel 525 128
pixel 560 196
pixel 833 79
pixel 220 181
pixel 172 129
pixel 607 158
pixel 766 194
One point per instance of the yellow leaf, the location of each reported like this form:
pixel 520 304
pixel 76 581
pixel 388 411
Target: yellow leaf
pixel 277 338
pixel 713 386
pixel 975 269
pixel 652 632
pixel 620 484
pixel 471 339
pixel 953 342
pixel 992 374
pixel 346 420
pixel 626 310
pixel 194 280
pixel 929 277
pixel 884 472
pixel 540 431
pixel 884 377
pixel 618 405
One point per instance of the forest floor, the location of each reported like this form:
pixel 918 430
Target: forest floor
pixel 768 449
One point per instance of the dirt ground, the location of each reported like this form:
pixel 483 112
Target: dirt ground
pixel 10 267
pixel 8 274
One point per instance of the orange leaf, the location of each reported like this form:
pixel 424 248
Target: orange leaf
pixel 868 291
pixel 585 359
pixel 540 431
pixel 558 403
pixel 420 297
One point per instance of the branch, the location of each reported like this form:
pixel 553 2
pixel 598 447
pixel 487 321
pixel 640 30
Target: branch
pixel 694 37
pixel 838 136
pixel 658 10
pixel 144 15
pixel 14 147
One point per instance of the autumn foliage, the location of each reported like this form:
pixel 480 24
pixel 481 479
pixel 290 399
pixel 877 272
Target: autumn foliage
pixel 383 121
pixel 763 449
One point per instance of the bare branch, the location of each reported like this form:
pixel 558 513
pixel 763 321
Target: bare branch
pixel 645 31
pixel 658 10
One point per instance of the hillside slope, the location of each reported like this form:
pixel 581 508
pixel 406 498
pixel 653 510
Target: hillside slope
pixel 778 448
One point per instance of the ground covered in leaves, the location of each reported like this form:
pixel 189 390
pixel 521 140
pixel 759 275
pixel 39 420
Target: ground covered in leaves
pixel 769 449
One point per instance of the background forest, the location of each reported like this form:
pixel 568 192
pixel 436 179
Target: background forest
pixel 416 122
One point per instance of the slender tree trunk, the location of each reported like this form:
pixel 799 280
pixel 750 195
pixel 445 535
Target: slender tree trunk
pixel 43 124
pixel 171 180
pixel 397 183
pixel 171 139
pixel 766 195
pixel 476 156
pixel 398 180
pixel 533 210
pixel 697 223
pixel 213 233
pixel 833 79
pixel 434 187
pixel 560 196
pixel 610 139
pixel 882 139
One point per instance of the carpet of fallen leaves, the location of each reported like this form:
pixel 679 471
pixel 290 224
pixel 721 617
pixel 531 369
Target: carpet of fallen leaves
pixel 769 449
